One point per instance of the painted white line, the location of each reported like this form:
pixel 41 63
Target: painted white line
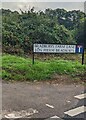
pixel 54 116
pixel 82 96
pixel 0 116
pixel 20 114
pixel 12 116
pixel 76 111
pixel 49 106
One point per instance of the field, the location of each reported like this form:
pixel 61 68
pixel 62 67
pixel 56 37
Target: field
pixel 21 68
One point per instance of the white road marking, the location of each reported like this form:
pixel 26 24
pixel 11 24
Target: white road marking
pixel 76 111
pixel 12 115
pixel 0 116
pixel 82 96
pixel 54 116
pixel 49 106
pixel 68 101
pixel 19 114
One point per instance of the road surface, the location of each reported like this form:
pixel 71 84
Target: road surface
pixel 42 100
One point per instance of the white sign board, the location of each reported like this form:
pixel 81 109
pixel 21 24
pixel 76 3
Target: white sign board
pixel 54 48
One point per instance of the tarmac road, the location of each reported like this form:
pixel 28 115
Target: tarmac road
pixel 40 100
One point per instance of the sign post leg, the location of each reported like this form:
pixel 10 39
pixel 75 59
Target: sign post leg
pixel 33 59
pixel 83 57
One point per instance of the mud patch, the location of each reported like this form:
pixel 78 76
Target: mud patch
pixel 65 79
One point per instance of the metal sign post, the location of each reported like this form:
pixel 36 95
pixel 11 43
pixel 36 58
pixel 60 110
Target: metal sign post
pixel 33 53
pixel 83 57
pixel 33 58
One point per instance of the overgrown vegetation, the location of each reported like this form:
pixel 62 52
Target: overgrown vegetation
pixel 18 68
pixel 20 30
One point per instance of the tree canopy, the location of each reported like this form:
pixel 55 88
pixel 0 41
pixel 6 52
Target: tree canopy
pixel 21 30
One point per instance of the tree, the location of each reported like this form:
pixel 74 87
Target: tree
pixel 81 32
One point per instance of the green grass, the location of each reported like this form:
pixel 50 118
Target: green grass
pixel 18 68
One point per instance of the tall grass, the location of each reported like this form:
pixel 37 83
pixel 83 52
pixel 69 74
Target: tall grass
pixel 18 68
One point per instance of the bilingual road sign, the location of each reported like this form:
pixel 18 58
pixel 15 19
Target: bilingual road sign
pixel 54 48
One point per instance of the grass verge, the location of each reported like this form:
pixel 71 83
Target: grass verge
pixel 18 68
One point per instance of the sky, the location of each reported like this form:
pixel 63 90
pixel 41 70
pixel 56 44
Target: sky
pixel 40 5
